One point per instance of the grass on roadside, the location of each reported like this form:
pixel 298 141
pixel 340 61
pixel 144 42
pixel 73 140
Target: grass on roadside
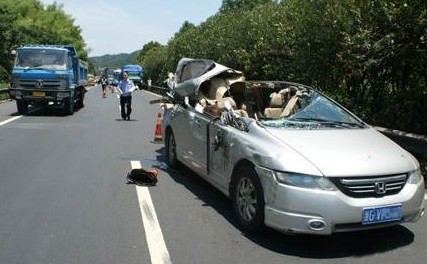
pixel 4 95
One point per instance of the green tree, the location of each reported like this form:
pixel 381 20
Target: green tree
pixel 155 63
pixel 241 5
pixel 368 54
pixel 385 57
pixel 8 32
pixel 145 49
pixel 29 22
pixel 153 58
pixel 182 44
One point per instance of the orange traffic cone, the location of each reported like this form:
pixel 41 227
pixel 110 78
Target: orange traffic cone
pixel 158 138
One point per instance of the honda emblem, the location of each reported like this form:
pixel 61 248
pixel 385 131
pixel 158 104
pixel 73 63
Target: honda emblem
pixel 380 188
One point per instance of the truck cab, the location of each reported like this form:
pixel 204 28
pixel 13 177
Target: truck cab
pixel 48 75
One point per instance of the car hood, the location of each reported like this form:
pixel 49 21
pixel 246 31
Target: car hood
pixel 348 152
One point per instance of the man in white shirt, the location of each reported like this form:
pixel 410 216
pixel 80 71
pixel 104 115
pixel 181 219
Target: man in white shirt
pixel 125 88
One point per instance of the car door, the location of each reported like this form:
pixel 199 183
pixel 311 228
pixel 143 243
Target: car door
pixel 199 142
pixel 218 153
pixel 189 128
pixel 181 123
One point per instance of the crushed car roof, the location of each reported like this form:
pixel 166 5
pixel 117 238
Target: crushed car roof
pixel 191 73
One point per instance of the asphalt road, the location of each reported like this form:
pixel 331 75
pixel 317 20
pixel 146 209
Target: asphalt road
pixel 63 199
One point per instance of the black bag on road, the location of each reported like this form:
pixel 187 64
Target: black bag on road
pixel 142 177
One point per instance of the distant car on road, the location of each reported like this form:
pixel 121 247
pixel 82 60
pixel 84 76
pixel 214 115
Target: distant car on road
pixel 286 155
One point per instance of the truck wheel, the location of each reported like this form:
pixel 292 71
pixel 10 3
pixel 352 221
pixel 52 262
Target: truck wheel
pixel 80 102
pixel 81 99
pixel 22 107
pixel 69 106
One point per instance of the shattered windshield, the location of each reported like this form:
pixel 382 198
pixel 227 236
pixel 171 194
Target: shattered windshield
pixel 41 59
pixel 312 110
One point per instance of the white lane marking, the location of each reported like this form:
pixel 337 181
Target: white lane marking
pixel 10 120
pixel 425 196
pixel 156 244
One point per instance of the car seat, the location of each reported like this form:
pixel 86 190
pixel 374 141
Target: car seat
pixel 276 106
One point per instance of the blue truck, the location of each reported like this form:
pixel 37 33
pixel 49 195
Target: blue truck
pixel 135 73
pixel 48 75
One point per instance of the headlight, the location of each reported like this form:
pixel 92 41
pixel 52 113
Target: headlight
pixel 415 177
pixel 304 181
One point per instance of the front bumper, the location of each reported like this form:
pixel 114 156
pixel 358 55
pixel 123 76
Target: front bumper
pixel 298 210
pixel 39 95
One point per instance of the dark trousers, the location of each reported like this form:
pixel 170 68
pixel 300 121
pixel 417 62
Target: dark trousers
pixel 126 106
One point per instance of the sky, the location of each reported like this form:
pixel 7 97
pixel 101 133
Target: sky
pixel 125 26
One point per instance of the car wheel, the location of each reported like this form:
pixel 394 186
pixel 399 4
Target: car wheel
pixel 248 199
pixel 171 159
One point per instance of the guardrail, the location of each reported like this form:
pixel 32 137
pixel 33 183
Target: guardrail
pixel 155 89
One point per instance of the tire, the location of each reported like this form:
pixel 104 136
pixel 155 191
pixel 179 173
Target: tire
pixel 171 159
pixel 22 107
pixel 69 106
pixel 80 103
pixel 248 199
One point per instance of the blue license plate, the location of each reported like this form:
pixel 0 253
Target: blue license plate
pixel 374 215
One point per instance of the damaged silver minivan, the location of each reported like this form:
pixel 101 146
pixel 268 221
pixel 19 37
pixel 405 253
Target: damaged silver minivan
pixel 286 155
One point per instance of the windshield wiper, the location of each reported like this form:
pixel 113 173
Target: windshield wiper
pixel 328 122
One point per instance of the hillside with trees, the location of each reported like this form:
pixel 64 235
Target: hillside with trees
pixel 115 61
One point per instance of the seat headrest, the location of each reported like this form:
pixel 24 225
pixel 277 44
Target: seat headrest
pixel 276 100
